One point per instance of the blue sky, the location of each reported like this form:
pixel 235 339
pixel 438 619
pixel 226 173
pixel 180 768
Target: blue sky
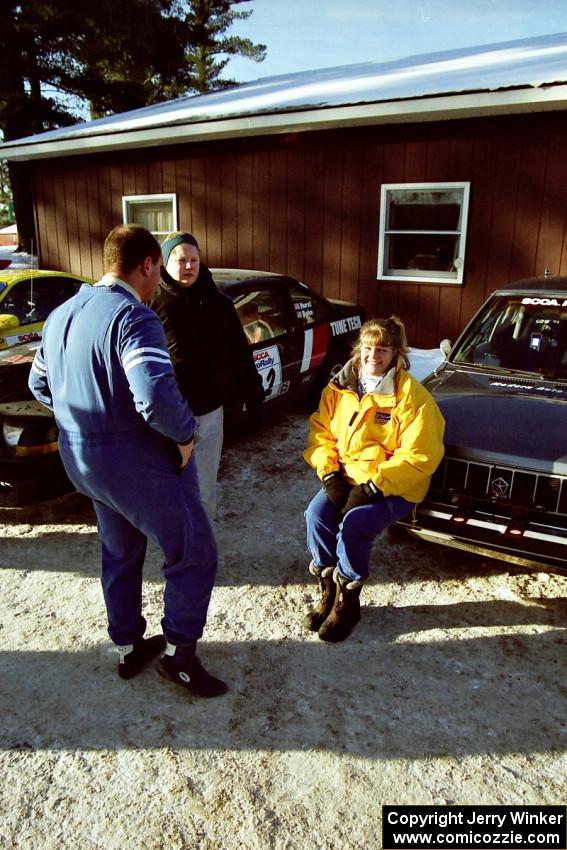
pixel 302 35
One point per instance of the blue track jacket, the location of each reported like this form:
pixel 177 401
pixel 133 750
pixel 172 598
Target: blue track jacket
pixel 104 370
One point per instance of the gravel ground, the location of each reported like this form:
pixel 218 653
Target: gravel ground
pixel 450 690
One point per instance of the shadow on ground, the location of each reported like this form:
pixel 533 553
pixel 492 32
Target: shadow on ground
pixel 372 697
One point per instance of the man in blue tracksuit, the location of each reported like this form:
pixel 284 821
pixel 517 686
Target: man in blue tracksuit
pixel 126 441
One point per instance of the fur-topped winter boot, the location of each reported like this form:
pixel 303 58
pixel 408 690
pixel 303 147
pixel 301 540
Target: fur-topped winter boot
pixel 324 575
pixel 346 609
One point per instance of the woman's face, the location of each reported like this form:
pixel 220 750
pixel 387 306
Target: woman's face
pixel 183 264
pixel 376 359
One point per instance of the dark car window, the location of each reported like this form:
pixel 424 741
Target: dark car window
pixel 520 332
pixel 16 301
pixel 261 314
pixel 306 308
pixel 33 300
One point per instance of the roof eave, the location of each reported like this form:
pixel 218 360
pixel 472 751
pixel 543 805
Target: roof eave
pixel 435 108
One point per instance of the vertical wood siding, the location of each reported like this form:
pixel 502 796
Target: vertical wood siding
pixel 309 205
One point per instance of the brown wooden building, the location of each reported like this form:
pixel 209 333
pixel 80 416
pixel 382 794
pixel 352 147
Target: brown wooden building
pixel 416 193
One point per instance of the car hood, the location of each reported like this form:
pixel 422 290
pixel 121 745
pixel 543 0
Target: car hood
pixel 514 419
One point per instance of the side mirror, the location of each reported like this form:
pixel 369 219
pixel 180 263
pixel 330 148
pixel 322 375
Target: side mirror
pixel 8 321
pixel 445 346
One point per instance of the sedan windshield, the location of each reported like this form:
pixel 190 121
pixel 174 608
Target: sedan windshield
pixel 519 333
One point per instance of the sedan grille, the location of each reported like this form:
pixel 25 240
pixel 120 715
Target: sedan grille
pixel 509 487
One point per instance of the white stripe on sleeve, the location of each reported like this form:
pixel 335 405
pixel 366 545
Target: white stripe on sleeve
pixel 137 352
pixel 39 367
pixel 146 359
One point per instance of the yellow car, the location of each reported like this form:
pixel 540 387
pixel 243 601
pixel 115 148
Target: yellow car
pixel 27 297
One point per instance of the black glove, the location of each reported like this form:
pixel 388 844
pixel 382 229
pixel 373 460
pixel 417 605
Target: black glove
pixel 363 494
pixel 337 488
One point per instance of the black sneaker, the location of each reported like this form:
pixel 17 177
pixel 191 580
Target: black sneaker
pixel 185 669
pixel 145 650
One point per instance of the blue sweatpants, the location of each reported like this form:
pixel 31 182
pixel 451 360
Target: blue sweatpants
pixel 346 541
pixel 138 493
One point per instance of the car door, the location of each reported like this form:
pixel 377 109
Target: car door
pixel 31 300
pixel 310 318
pixel 266 322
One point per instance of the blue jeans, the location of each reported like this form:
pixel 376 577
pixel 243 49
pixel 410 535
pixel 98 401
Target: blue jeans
pixel 346 541
pixel 138 493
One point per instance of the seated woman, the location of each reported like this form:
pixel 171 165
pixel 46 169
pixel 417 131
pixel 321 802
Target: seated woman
pixel 374 442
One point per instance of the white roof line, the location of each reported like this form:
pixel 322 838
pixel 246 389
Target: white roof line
pixel 518 76
pixel 426 109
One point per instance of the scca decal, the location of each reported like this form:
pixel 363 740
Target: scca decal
pixel 263 358
pixel 29 337
pixel 545 302
pixel 268 364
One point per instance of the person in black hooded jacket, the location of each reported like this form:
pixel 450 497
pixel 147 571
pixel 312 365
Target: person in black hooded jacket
pixel 208 349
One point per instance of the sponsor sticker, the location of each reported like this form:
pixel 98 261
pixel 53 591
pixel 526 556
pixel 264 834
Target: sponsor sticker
pixel 509 385
pixel 20 358
pixel 29 337
pixel 268 363
pixel 343 326
pixel 545 302
pixel 304 310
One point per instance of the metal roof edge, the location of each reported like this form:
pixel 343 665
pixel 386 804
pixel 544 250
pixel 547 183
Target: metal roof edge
pixel 551 97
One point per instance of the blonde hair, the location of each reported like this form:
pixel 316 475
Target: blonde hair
pixel 389 332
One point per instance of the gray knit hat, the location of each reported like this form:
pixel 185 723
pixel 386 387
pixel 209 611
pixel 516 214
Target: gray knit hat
pixel 173 241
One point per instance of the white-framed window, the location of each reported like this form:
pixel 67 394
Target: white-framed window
pixel 157 213
pixel 423 228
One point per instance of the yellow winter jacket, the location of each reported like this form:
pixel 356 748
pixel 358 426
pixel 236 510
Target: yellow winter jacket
pixel 393 437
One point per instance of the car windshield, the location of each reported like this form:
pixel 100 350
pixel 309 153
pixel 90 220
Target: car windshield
pixel 526 333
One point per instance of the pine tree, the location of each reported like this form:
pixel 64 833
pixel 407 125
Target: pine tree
pixel 60 56
pixel 6 203
pixel 208 21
